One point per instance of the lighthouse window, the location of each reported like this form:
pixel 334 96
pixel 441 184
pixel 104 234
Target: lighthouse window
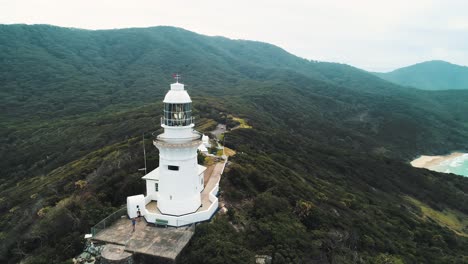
pixel 173 168
pixel 178 114
pixel 156 187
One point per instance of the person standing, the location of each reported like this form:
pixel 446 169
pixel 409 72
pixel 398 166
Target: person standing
pixel 138 212
pixel 133 223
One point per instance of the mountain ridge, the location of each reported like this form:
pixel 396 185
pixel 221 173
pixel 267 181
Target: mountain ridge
pixel 430 75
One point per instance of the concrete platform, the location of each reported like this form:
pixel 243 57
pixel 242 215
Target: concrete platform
pixel 147 239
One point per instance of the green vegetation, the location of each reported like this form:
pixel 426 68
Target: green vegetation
pixel 321 176
pixel 430 75
pixel 453 219
pixel 333 205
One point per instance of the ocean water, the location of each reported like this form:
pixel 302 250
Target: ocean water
pixel 458 165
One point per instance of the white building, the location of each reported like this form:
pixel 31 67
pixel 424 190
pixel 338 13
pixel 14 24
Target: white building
pixel 203 148
pixel 174 190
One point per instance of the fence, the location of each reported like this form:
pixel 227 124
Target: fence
pixel 108 221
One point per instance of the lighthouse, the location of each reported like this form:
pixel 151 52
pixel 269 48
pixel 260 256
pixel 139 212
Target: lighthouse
pixel 175 191
pixel 180 176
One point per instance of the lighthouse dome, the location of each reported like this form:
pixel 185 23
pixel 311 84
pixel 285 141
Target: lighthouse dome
pixel 177 95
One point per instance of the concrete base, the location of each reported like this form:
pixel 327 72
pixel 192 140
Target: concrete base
pixel 147 239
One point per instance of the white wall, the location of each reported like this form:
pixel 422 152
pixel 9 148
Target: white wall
pixel 133 202
pixel 150 190
pixel 190 218
pixel 179 191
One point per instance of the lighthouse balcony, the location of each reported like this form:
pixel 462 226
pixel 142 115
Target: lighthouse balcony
pixel 194 140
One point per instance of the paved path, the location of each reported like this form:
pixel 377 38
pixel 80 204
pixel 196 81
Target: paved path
pixel 212 181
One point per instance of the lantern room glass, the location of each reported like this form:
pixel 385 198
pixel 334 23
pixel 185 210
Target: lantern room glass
pixel 178 114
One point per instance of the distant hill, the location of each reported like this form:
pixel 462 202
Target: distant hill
pixel 430 75
pixel 321 177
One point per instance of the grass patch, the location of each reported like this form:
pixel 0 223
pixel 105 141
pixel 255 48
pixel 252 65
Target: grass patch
pixel 452 219
pixel 229 152
pixel 209 161
pixel 242 122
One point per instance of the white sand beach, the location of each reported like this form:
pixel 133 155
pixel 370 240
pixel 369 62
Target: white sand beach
pixel 431 161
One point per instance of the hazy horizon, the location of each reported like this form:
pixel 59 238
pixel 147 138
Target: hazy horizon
pixel 372 35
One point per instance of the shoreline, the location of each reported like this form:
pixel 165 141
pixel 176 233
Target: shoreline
pixel 432 161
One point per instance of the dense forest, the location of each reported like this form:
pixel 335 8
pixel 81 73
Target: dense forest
pixel 321 177
pixel 430 75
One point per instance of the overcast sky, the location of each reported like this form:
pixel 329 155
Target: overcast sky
pixel 369 34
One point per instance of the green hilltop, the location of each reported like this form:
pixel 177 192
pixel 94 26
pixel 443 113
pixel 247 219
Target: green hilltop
pixel 430 75
pixel 322 175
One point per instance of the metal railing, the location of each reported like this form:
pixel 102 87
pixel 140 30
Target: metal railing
pixel 108 221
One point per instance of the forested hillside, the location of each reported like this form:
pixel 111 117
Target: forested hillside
pixel 430 75
pixel 321 177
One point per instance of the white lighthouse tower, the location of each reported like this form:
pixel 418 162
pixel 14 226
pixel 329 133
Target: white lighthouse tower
pixel 175 191
pixel 180 176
